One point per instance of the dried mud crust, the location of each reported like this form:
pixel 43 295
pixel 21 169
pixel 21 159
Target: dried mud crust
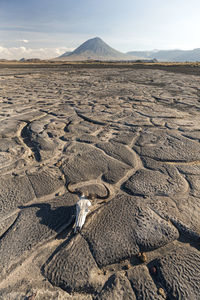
pixel 134 132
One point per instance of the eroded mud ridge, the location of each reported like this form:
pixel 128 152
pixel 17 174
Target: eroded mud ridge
pixel 135 133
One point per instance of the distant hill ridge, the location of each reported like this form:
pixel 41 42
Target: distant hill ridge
pixel 97 49
pixel 169 55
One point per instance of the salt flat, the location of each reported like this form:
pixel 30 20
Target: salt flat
pixel 135 132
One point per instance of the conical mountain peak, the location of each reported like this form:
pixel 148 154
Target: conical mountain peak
pixel 94 48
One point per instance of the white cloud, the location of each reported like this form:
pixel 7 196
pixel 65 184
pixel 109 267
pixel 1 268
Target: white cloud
pixel 42 53
pixel 23 41
pixel 61 50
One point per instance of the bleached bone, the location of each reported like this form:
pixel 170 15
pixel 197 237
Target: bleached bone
pixel 82 209
pixel 83 204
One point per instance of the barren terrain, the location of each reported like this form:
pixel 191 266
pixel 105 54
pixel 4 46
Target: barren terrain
pixel 132 130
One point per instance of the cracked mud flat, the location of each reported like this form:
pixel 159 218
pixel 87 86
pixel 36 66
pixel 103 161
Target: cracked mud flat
pixel 135 132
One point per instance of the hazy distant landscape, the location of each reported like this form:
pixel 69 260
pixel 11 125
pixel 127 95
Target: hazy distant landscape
pixel 97 49
pixel 169 55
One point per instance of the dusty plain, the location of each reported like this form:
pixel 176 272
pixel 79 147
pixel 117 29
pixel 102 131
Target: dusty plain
pixel 132 129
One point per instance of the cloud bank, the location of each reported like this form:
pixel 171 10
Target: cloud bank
pixel 25 52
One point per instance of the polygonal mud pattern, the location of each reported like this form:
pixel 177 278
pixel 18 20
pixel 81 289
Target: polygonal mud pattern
pixel 154 182
pixel 134 132
pixel 183 213
pixel 90 163
pixel 117 287
pixel 119 152
pixel 164 145
pixel 73 267
pixel 14 191
pixel 143 284
pixel 45 183
pixel 179 273
pixel 34 225
pixel 124 227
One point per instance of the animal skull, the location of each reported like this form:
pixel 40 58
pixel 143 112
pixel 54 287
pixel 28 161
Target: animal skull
pixel 82 209
pixel 83 204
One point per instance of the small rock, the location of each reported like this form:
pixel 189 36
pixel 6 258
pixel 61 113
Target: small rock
pixel 162 293
pixel 126 266
pixel 99 273
pixel 142 256
pixel 58 164
pixel 153 270
pixel 15 174
pixel 58 194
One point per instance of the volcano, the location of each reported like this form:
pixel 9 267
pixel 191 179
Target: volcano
pixel 94 49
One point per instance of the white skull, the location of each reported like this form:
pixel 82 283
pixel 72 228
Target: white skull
pixel 82 209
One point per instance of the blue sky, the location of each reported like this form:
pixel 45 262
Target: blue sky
pixel 47 28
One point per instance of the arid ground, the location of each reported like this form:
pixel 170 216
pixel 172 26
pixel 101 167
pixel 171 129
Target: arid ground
pixel 134 131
